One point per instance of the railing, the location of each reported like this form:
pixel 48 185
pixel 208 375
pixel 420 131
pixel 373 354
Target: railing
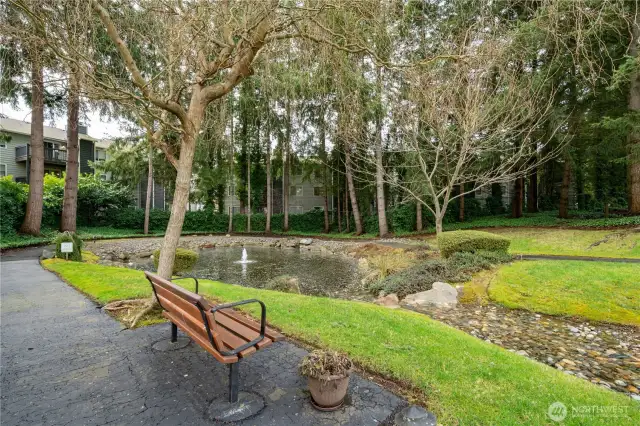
pixel 51 155
pixel 55 155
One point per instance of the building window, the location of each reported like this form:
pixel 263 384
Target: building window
pixel 232 190
pixel 101 155
pixel 318 191
pixel 295 191
pixel 3 170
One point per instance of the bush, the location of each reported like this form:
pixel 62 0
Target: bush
pixel 471 241
pixel 457 268
pixel 413 280
pixel 283 283
pixel 185 260
pixel 13 197
pixel 69 237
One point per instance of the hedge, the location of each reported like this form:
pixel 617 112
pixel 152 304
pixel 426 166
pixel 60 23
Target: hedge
pixel 184 261
pixel 471 241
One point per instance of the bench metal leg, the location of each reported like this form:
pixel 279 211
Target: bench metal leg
pixel 234 382
pixel 174 333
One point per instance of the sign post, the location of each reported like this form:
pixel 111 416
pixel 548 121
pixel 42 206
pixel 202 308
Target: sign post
pixel 66 248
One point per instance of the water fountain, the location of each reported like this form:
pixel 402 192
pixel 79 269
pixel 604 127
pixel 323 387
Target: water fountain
pixel 244 258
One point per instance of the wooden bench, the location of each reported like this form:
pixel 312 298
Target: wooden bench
pixel 219 330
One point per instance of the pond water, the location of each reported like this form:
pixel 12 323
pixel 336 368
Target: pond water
pixel 319 274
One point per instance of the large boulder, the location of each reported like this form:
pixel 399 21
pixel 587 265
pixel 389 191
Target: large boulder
pixel 306 241
pixel 284 283
pixel 441 295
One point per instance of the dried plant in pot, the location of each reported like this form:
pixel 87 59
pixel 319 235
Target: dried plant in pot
pixel 328 374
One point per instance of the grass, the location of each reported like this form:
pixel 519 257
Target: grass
pixel 465 380
pixel 598 291
pixel 623 243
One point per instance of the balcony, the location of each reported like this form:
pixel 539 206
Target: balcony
pixel 51 155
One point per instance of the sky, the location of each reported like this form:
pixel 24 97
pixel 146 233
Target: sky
pixel 99 128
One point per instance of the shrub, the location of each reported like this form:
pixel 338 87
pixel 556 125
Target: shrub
pixel 69 237
pixel 322 365
pixel 283 283
pixel 457 268
pixel 13 197
pixel 471 241
pixel 463 264
pixel 413 280
pixel 185 260
pixel 390 263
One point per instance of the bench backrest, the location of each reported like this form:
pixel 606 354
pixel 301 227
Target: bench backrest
pixel 183 304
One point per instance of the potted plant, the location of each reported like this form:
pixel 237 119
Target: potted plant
pixel 328 374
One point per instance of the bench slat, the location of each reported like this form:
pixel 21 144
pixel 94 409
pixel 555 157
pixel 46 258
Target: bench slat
pixel 255 326
pixel 204 343
pixel 240 329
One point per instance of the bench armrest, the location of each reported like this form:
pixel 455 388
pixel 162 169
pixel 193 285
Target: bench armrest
pixel 188 278
pixel 263 320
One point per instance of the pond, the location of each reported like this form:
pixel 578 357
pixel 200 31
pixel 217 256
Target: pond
pixel 319 274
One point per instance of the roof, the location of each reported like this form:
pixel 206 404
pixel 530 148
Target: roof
pixel 11 125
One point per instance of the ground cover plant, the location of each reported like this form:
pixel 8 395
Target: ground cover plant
pixel 623 242
pixel 471 241
pixel 464 380
pixel 420 277
pixel 599 291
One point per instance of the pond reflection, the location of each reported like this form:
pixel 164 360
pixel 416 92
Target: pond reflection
pixel 318 273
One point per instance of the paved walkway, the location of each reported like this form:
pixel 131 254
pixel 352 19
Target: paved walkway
pixel 65 362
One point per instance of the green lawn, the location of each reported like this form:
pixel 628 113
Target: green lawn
pixel 465 380
pixel 622 243
pixel 600 291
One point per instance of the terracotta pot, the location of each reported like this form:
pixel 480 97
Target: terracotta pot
pixel 329 394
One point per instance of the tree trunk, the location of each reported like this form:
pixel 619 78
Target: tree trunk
pixel 248 191
pixel 564 190
pixel 147 203
pixel 231 171
pixel 419 216
pixel 70 201
pixel 267 228
pixel 461 210
pixel 633 170
pixel 180 201
pixel 516 200
pixel 339 206
pixel 383 227
pixel 532 191
pixel 33 215
pixel 346 205
pixel 352 194
pixel 323 155
pixel 285 169
pixel 439 218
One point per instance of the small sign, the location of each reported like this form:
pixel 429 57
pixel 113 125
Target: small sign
pixel 66 247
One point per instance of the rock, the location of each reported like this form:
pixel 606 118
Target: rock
pixel 290 244
pixel 441 295
pixel 123 257
pixel 390 301
pixel 228 235
pixel 415 416
pixel 635 397
pixel 47 254
pixel 306 241
pixel 144 254
pixel 523 353
pixel 620 383
pixel 284 283
pixel 574 330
